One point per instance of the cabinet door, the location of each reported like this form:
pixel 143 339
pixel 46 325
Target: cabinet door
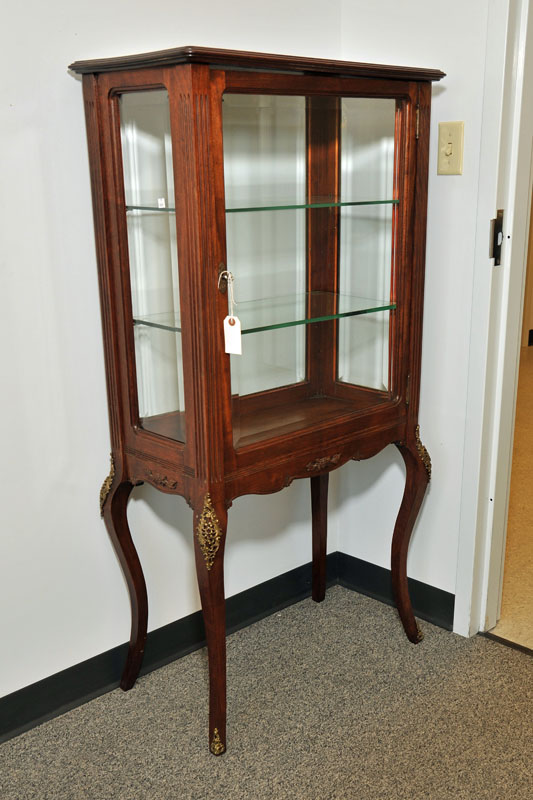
pixel 148 174
pixel 311 192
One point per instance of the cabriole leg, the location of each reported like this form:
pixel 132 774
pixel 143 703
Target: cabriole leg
pixel 114 512
pixel 210 522
pixel 319 509
pixel 418 467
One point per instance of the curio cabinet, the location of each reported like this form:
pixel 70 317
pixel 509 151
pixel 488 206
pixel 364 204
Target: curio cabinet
pixel 260 230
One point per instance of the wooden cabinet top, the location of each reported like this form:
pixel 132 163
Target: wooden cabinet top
pixel 255 61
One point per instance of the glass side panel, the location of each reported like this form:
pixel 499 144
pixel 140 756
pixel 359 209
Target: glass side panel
pixel 264 166
pixel 367 172
pixel 151 222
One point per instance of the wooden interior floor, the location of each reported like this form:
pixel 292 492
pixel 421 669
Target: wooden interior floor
pixel 516 621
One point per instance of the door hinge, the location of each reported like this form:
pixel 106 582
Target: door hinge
pixel 408 391
pixel 417 121
pixel 496 237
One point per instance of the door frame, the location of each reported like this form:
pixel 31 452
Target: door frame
pixel 505 181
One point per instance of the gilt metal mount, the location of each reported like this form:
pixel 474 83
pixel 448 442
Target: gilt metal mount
pixel 106 486
pixel 209 532
pixel 323 463
pixel 217 746
pixel 422 452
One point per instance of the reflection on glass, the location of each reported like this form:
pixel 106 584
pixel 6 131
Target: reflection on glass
pixel 264 167
pixel 290 333
pixel 367 172
pixel 149 189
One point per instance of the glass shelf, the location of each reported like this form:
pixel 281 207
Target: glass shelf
pixel 166 321
pixel 284 312
pixel 315 202
pixel 151 208
pixel 278 205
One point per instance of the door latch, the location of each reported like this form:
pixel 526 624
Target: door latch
pixel 496 226
pixel 222 278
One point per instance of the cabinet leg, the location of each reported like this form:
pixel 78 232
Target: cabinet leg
pixel 418 466
pixel 114 513
pixel 210 533
pixel 319 510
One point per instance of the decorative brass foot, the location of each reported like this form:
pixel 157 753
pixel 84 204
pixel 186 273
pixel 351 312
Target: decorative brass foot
pixel 106 486
pixel 419 634
pixel 217 747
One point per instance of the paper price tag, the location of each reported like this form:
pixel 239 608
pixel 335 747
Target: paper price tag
pixel 232 335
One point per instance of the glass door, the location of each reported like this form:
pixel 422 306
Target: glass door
pixel 311 205
pixel 153 258
pixel 265 190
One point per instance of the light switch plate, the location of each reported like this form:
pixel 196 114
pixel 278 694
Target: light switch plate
pixel 450 159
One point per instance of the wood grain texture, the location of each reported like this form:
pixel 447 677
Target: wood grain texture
pixel 319 512
pixel 323 180
pixel 116 520
pixel 416 482
pixel 419 199
pixel 99 187
pixel 254 61
pixel 211 585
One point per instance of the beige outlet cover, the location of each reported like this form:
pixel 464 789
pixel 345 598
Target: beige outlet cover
pixel 450 159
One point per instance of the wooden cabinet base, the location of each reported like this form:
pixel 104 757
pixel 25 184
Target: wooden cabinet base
pixel 210 525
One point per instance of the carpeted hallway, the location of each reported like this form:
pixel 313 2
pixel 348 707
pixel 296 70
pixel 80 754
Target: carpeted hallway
pixel 325 701
pixel 516 621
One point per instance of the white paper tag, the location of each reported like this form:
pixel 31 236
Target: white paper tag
pixel 232 335
pixel 161 202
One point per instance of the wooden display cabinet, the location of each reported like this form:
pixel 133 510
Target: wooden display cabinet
pixel 304 181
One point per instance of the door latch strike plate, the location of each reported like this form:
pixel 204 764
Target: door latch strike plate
pixel 496 238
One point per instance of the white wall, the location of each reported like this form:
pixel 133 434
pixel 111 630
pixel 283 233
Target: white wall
pixel 63 595
pixel 419 34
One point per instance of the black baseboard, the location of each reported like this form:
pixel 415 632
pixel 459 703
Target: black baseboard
pixel 52 696
pixel 429 603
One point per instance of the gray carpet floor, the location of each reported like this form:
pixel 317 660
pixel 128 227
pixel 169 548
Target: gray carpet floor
pixel 326 701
